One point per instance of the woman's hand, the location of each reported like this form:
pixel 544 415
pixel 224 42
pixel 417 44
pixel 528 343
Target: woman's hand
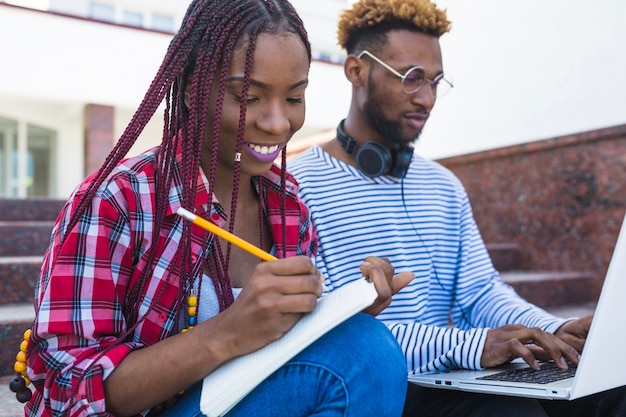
pixel 381 273
pixel 270 303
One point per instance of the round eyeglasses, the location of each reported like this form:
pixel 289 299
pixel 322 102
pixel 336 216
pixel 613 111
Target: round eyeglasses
pixel 415 78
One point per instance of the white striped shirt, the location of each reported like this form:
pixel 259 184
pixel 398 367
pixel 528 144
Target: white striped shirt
pixel 424 224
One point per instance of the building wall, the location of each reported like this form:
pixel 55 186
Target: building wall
pixel 523 72
pixel 561 200
pixel 61 64
pixel 66 119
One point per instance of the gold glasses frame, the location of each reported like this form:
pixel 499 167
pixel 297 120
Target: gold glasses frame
pixel 440 85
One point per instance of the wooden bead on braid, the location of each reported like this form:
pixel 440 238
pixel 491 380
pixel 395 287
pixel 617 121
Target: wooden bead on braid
pixel 192 310
pixel 19 384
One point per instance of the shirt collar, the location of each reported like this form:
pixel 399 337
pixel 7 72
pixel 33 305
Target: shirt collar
pixel 201 203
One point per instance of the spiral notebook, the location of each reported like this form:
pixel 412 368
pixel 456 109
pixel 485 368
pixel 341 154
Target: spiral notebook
pixel 231 382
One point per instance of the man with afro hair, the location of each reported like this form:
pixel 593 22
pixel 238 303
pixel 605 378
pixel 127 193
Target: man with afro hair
pixel 369 194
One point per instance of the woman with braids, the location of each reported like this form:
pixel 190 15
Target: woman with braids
pixel 135 306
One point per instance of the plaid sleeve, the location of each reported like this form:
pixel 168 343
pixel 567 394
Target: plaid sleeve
pixel 307 238
pixel 79 315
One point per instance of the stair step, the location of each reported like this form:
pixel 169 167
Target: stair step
pixel 576 310
pixel 18 276
pixel 9 406
pixel 14 320
pixel 30 209
pixel 505 256
pixel 24 238
pixel 552 289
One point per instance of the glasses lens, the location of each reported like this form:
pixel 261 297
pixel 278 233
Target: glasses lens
pixel 442 85
pixel 413 79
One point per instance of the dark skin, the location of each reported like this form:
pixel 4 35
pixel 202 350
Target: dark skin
pixel 575 332
pixel 381 111
pixel 274 294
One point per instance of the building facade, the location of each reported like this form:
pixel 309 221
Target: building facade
pixel 74 71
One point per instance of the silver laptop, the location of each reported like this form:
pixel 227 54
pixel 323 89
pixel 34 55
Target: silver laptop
pixel 601 365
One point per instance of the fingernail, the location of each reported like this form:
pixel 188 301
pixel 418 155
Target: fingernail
pixel 563 362
pixel 365 263
pixel 536 364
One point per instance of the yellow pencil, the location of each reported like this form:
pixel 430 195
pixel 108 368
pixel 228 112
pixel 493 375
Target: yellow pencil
pixel 226 235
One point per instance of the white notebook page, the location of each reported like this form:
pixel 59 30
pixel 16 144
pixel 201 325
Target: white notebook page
pixel 231 382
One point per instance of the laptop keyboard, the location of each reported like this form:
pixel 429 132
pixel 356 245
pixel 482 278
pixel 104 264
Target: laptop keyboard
pixel 547 373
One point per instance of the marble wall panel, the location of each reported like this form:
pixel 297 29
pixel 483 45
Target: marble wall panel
pixel 561 200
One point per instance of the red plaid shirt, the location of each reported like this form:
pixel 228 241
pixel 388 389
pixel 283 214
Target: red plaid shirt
pixel 80 294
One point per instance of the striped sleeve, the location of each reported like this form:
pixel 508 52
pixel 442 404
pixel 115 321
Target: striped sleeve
pixel 434 348
pixel 423 224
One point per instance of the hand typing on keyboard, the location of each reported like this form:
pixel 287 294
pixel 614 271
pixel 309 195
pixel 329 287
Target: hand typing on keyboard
pixel 548 372
pixel 503 344
pixel 574 332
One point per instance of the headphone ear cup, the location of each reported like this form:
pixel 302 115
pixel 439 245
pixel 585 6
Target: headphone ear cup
pixel 373 159
pixel 403 160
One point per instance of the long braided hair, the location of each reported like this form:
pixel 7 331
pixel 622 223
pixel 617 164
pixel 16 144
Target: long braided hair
pixel 197 60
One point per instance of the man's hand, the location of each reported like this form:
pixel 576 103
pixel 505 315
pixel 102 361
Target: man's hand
pixel 380 272
pixel 574 332
pixel 506 343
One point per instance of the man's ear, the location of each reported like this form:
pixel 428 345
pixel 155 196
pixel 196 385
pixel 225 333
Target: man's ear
pixel 354 70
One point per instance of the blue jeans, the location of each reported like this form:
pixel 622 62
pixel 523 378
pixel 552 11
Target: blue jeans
pixel 356 369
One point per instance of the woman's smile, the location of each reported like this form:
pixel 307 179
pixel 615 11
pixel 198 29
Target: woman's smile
pixel 262 153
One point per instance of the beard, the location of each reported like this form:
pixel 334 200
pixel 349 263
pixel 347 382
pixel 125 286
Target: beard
pixel 390 130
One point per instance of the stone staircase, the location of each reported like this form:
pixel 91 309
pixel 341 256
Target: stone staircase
pixel 25 227
pixel 564 293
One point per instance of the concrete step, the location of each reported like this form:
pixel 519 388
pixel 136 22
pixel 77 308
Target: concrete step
pixel 505 256
pixel 18 276
pixel 14 320
pixel 10 407
pixel 30 209
pixel 24 238
pixel 574 310
pixel 554 289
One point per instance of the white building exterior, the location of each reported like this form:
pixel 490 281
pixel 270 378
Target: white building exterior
pixel 522 71
pixel 53 65
pixel 528 70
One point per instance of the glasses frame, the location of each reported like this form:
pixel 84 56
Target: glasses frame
pixel 435 82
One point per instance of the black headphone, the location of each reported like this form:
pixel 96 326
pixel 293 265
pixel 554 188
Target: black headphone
pixel 374 159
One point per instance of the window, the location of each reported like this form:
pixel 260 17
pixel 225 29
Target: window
pixel 27 160
pixel 108 12
pixel 162 22
pixel 40 161
pixel 132 18
pixel 8 157
pixel 102 11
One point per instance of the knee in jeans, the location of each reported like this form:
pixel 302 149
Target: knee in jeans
pixel 375 346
